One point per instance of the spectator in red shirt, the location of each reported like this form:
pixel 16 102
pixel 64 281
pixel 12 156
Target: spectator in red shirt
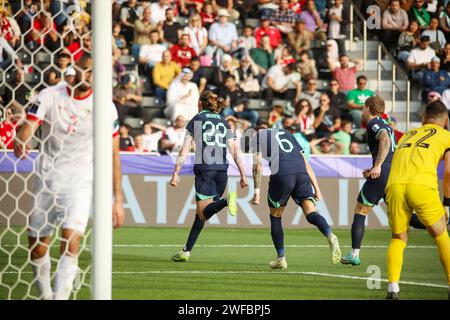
pixel 345 75
pixel 208 15
pixel 7 29
pixel 285 56
pixel 266 29
pixel 297 5
pixel 126 141
pixel 8 128
pixel 182 53
pixel 187 6
pixel 44 32
pixel 139 145
pixel 75 46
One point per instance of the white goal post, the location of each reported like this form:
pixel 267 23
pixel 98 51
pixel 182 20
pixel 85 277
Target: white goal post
pixel 102 63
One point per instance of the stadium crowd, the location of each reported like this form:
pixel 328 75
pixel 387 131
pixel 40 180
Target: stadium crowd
pixel 270 52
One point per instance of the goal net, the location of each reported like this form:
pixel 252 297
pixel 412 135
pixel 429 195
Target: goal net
pixel 50 189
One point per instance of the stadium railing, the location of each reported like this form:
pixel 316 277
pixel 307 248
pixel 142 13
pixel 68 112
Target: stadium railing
pixel 357 19
pixel 397 72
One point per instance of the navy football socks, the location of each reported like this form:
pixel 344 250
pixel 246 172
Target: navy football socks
pixel 197 227
pixel 277 235
pixel 316 219
pixel 358 230
pixel 214 207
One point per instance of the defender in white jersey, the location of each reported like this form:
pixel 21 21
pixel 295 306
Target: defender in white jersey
pixel 64 171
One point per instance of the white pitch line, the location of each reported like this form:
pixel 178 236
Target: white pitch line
pixel 307 273
pixel 257 246
pixel 238 246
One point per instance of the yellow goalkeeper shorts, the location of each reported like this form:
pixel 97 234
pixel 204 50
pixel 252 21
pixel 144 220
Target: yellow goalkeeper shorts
pixel 404 199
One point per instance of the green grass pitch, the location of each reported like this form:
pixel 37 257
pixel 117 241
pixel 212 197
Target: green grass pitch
pixel 233 264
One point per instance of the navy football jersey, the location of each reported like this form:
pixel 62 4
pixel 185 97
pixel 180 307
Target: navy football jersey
pixel 211 133
pixel 373 128
pixel 280 148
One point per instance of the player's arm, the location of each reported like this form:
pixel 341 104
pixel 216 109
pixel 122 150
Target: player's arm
pixel 158 127
pixel 236 154
pixel 313 145
pixel 180 159
pixel 118 212
pixel 384 145
pixel 313 178
pixel 23 138
pixel 257 174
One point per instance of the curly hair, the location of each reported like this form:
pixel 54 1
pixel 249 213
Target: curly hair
pixel 211 101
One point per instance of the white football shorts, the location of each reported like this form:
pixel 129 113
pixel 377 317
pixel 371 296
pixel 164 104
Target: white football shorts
pixel 67 210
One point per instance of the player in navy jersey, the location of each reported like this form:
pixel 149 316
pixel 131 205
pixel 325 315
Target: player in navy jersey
pixel 381 141
pixel 291 176
pixel 212 136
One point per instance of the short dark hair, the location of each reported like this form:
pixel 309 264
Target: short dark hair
pixel 361 77
pixel 291 66
pixel 376 105
pixel 391 1
pixel 63 54
pixel 230 77
pixel 85 55
pixel 304 52
pixel 435 110
pixel 126 126
pixel 344 122
pixel 195 59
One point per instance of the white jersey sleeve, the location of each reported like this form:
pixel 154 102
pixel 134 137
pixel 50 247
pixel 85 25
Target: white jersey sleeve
pixel 115 118
pixel 40 106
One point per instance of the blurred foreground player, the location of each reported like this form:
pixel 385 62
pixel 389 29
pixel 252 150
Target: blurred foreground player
pixel 413 186
pixel 64 171
pixel 212 136
pixel 291 176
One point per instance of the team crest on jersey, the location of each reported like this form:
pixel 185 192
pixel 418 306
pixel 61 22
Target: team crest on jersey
pixel 34 107
pixel 375 128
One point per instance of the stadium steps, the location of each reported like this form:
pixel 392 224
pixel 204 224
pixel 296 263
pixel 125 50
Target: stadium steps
pixel 152 108
pixel 385 91
pixel 151 113
pixel 150 102
pixel 129 63
pixel 162 122
pixel 145 86
pixel 135 123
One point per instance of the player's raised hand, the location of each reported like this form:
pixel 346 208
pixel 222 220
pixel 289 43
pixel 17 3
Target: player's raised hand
pixel 374 173
pixel 255 199
pixel 118 214
pixel 21 150
pixel 175 179
pixel 244 183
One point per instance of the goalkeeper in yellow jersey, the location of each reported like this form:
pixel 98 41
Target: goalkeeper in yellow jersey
pixel 413 186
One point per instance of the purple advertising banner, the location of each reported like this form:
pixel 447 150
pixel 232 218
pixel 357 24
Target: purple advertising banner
pixel 132 163
pixel 150 201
